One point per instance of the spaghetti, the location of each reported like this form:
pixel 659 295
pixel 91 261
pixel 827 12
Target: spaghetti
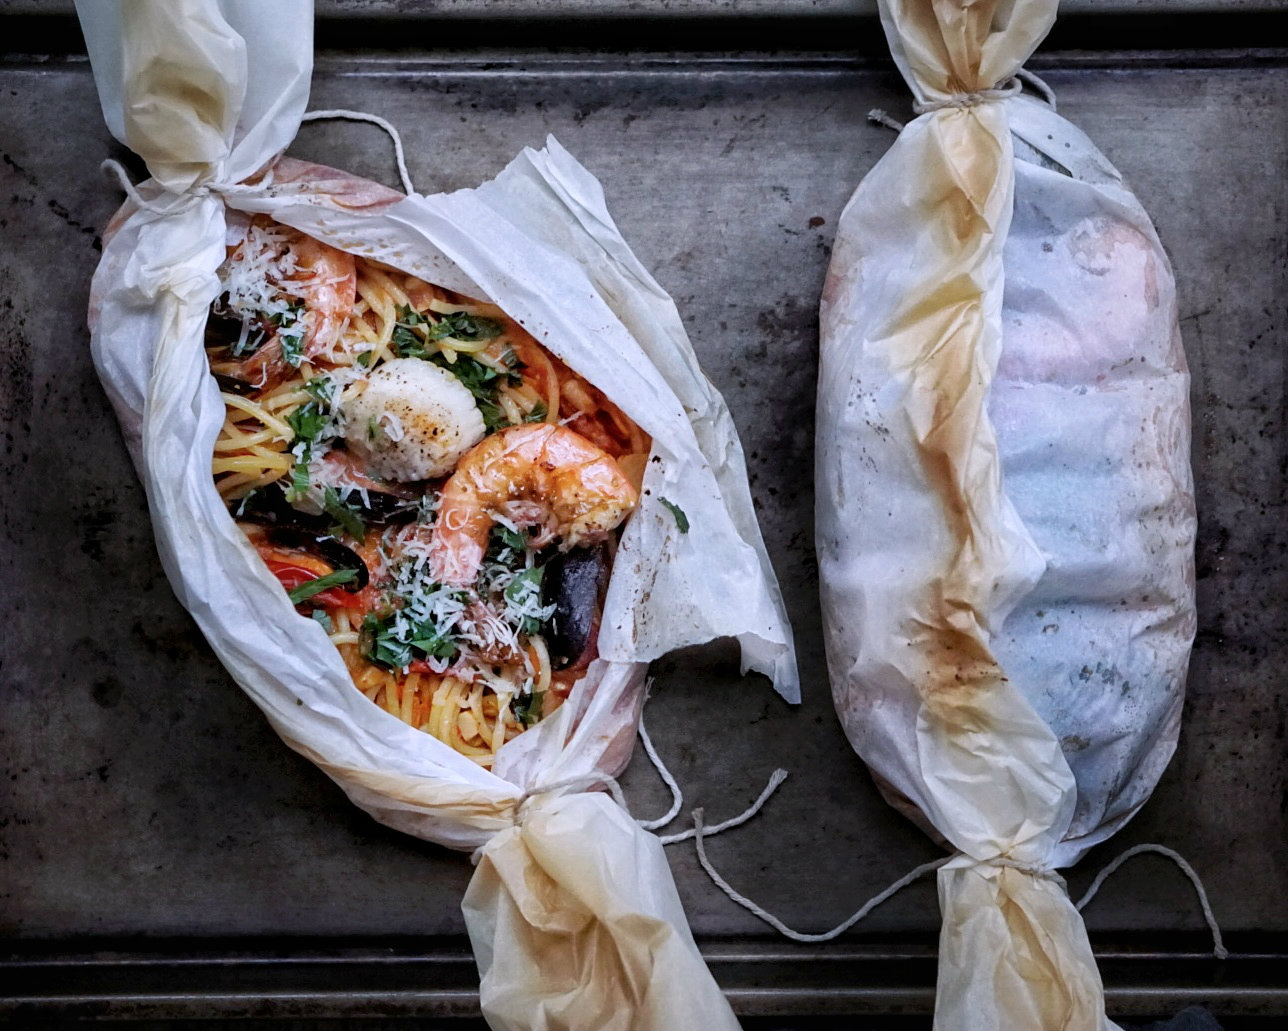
pixel 337 369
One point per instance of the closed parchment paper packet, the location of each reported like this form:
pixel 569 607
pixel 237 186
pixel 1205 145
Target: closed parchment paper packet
pixel 572 911
pixel 1005 510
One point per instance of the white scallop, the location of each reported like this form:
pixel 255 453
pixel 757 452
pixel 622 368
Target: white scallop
pixel 410 420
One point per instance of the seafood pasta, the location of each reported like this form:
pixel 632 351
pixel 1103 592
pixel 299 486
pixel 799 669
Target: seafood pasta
pixel 429 483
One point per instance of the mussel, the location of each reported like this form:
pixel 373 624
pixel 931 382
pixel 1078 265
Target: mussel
pixel 574 583
pixel 325 547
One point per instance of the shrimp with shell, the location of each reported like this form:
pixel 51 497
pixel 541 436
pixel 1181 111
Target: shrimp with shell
pixel 536 475
pixel 287 297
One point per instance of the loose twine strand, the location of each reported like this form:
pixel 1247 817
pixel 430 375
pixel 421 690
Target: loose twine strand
pixel 1218 945
pixel 587 782
pixel 1008 88
pixel 164 205
pixel 677 799
pixel 363 116
pixel 700 832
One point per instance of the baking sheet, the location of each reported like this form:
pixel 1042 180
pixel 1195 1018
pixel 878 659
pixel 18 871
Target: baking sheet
pixel 154 831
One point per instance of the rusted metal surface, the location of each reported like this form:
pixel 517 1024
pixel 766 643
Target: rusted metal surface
pixel 146 802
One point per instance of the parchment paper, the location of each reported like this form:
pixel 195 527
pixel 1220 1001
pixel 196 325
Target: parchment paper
pixel 572 912
pixel 1005 512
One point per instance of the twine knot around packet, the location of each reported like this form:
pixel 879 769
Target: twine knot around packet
pixel 259 181
pixel 971 98
pixel 1004 90
pixel 1039 870
pixel 171 202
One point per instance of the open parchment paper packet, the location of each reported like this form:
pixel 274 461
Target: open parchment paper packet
pixel 572 911
pixel 1005 508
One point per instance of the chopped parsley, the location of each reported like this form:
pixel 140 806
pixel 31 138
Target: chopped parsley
pixel 310 423
pixel 527 708
pixel 394 641
pixel 313 426
pixel 345 515
pixel 323 583
pixel 290 331
pixel 322 389
pixel 381 645
pixel 432 640
pixel 506 547
pixel 415 330
pixel 523 601
pixel 485 383
pixel 681 520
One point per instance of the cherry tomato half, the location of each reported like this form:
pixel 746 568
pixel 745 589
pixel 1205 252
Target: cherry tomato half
pixel 292 576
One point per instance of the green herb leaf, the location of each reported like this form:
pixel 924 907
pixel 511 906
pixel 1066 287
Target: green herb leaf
pixel 380 645
pixel 527 708
pixel 292 348
pixel 464 326
pixel 526 586
pixel 484 383
pixel 503 537
pixel 299 479
pixel 681 520
pixel 322 390
pixel 430 640
pixel 409 316
pixel 364 359
pixel 323 583
pixel 538 413
pixel 309 422
pixel 407 344
pixel 345 515
pixel 477 378
pixel 290 333
pixel 528 580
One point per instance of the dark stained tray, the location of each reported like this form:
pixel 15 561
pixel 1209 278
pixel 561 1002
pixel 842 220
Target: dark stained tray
pixel 164 856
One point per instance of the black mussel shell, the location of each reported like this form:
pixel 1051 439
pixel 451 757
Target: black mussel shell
pixel 574 582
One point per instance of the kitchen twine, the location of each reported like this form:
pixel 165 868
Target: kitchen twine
pixel 180 201
pixel 1218 945
pixel 362 116
pixel 590 781
pixel 1008 88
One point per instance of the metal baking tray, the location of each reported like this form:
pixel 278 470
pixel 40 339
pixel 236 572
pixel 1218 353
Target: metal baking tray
pixel 164 857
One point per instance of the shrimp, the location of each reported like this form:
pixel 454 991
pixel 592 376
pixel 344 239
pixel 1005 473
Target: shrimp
pixel 327 280
pixel 283 288
pixel 536 474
